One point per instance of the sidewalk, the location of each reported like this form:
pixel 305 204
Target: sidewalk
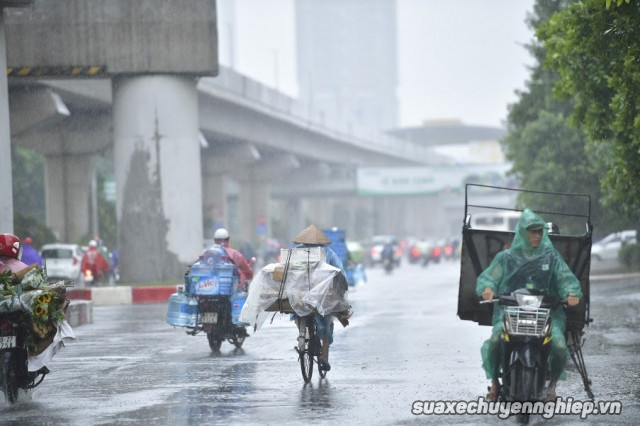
pixel 83 300
pixel 123 295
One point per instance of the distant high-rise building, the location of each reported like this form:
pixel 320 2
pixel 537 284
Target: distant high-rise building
pixel 347 62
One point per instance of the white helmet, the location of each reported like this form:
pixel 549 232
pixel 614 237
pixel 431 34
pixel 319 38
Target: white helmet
pixel 93 243
pixel 221 234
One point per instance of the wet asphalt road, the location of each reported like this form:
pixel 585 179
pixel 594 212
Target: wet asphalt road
pixel 405 343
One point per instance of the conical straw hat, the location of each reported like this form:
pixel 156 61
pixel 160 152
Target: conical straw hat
pixel 312 235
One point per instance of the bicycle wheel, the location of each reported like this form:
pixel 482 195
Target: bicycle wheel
pixel 305 354
pixel 318 350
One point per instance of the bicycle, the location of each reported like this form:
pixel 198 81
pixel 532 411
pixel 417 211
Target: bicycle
pixel 309 347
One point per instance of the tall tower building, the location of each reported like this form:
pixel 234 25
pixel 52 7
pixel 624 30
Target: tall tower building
pixel 347 64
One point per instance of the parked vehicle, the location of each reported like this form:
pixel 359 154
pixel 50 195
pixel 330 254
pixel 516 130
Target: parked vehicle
pixel 211 300
pixel 62 261
pixel 609 246
pixel 499 220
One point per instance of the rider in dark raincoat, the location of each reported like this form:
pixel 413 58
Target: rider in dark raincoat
pixel 531 262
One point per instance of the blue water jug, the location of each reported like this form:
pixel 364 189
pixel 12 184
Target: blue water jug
pixel 237 302
pixel 182 310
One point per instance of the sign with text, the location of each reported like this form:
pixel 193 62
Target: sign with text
pixel 425 180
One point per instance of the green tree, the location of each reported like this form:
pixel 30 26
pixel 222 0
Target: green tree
pixel 595 49
pixel 107 222
pixel 27 178
pixel 547 153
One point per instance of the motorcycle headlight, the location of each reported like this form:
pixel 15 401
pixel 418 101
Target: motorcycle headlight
pixel 529 301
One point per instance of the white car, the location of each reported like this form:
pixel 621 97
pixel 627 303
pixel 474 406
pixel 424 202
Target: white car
pixel 62 261
pixel 609 246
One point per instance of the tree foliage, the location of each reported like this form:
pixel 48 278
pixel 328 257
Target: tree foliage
pixel 547 153
pixel 595 49
pixel 27 179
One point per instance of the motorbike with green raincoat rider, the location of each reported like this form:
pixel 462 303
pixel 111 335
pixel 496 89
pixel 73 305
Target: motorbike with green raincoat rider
pixel 530 262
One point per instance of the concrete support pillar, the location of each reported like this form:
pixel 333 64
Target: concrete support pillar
pixel 6 191
pixel 319 212
pixel 68 189
pixel 254 205
pixel 158 176
pixel 214 202
pixel 292 217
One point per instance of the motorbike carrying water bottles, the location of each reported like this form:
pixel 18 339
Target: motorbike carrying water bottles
pixel 211 300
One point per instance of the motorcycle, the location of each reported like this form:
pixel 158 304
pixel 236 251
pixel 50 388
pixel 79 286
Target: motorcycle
pixel 91 277
pixel 387 264
pixel 211 301
pixel 14 373
pixel 525 345
pixel 32 328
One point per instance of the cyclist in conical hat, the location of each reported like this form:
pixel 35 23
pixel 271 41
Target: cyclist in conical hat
pixel 312 236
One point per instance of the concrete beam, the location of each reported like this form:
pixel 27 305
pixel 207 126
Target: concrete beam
pixel 79 134
pixel 115 36
pixel 255 113
pixel 228 158
pixel 272 168
pixel 299 187
pixel 35 105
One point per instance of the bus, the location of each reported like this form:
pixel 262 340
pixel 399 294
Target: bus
pixel 495 221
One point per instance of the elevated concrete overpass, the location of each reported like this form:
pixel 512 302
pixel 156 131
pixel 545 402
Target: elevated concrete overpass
pixel 183 144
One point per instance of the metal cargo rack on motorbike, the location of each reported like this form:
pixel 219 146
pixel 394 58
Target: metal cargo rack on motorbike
pixel 480 246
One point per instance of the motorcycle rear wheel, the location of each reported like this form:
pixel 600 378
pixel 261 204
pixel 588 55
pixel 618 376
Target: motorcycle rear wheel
pixel 215 342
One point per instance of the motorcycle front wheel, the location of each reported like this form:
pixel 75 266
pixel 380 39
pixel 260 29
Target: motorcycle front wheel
pixel 527 390
pixel 9 378
pixel 238 341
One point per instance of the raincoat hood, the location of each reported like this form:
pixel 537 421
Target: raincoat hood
pixel 523 266
pixel 530 220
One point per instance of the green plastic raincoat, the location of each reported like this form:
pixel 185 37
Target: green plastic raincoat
pixel 523 266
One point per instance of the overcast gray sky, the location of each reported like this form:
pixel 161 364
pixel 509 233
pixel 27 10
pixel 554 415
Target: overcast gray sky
pixel 458 59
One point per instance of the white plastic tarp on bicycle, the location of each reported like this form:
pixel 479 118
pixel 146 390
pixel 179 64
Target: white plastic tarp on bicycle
pixel 309 287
